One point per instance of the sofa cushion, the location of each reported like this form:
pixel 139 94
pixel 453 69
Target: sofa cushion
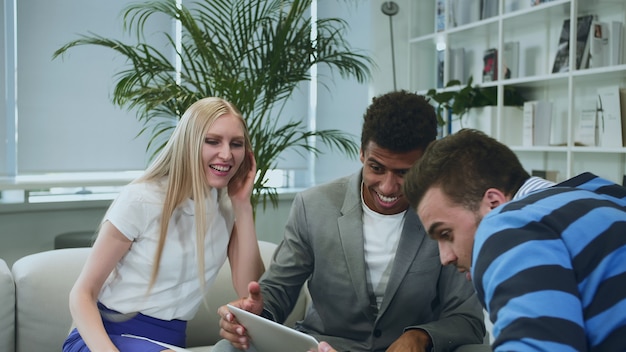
pixel 7 309
pixel 42 285
pixel 203 329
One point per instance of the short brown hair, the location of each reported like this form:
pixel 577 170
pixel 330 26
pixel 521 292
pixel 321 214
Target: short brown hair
pixel 465 164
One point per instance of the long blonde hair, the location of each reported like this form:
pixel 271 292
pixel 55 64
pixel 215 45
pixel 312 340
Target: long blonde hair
pixel 181 162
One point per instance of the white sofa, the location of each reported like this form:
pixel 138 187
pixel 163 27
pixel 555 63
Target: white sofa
pixel 34 313
pixel 7 309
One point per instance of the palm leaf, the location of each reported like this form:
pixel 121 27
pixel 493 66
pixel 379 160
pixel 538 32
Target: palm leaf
pixel 253 53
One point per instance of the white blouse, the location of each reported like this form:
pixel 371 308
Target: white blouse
pixel 176 293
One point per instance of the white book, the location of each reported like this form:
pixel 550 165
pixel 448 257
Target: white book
pixel 609 117
pixel 542 123
pixel 586 131
pixel 599 44
pixel 465 11
pixel 528 123
pixel 511 59
pixel 457 64
pixel 616 43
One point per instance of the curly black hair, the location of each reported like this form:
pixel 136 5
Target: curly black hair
pixel 399 121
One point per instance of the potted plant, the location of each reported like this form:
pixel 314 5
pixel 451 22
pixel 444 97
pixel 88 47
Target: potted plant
pixel 251 52
pixel 459 101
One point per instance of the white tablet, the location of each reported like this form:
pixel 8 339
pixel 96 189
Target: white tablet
pixel 270 336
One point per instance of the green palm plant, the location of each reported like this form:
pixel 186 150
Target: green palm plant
pixel 251 52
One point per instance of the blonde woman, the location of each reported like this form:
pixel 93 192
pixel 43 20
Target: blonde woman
pixel 163 240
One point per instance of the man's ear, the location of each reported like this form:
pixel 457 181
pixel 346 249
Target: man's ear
pixel 361 155
pixel 493 197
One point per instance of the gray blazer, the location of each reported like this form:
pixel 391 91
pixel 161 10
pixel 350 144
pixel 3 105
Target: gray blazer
pixel 323 243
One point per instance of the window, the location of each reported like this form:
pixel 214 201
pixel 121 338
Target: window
pixel 59 117
pixel 65 119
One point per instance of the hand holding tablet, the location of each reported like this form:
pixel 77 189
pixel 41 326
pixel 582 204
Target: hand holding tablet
pixel 266 335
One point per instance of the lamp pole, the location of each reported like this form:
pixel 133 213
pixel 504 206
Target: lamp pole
pixel 390 8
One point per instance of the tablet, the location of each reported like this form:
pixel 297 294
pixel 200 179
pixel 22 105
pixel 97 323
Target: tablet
pixel 270 336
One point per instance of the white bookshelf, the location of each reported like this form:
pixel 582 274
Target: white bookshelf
pixel 537 29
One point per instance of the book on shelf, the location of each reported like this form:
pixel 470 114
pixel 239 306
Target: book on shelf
pixel 463 12
pixel 440 67
pixel 457 64
pixel 440 15
pixel 510 56
pixel 609 117
pixel 490 65
pixel 561 59
pixel 599 44
pixel 550 175
pixel 528 123
pixel 537 123
pixel 489 8
pixel 616 43
pixel 583 41
pixel 542 123
pixel 514 5
pixel 587 128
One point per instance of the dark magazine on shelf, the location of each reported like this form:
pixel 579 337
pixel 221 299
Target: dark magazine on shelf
pixel 561 60
pixel 490 65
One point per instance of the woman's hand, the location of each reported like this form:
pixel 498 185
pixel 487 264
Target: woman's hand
pixel 230 329
pixel 241 190
pixel 243 248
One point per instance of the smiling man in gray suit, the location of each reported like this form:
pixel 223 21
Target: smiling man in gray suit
pixel 375 278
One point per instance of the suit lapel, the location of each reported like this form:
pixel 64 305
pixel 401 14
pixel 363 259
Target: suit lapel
pixel 410 241
pixel 351 236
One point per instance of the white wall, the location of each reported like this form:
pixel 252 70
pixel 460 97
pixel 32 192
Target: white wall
pixel 31 228
pixel 342 105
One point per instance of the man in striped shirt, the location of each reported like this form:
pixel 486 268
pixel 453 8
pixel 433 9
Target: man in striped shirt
pixel 548 262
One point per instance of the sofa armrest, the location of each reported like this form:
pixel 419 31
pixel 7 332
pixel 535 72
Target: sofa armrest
pixel 42 285
pixel 7 309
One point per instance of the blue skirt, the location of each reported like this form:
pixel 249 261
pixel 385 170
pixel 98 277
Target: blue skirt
pixel 171 332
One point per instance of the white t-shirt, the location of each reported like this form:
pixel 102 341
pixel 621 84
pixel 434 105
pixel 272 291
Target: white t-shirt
pixel 176 293
pixel 382 234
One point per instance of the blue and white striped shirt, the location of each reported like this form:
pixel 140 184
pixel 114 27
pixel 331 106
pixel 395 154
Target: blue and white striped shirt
pixel 550 268
pixel 534 183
